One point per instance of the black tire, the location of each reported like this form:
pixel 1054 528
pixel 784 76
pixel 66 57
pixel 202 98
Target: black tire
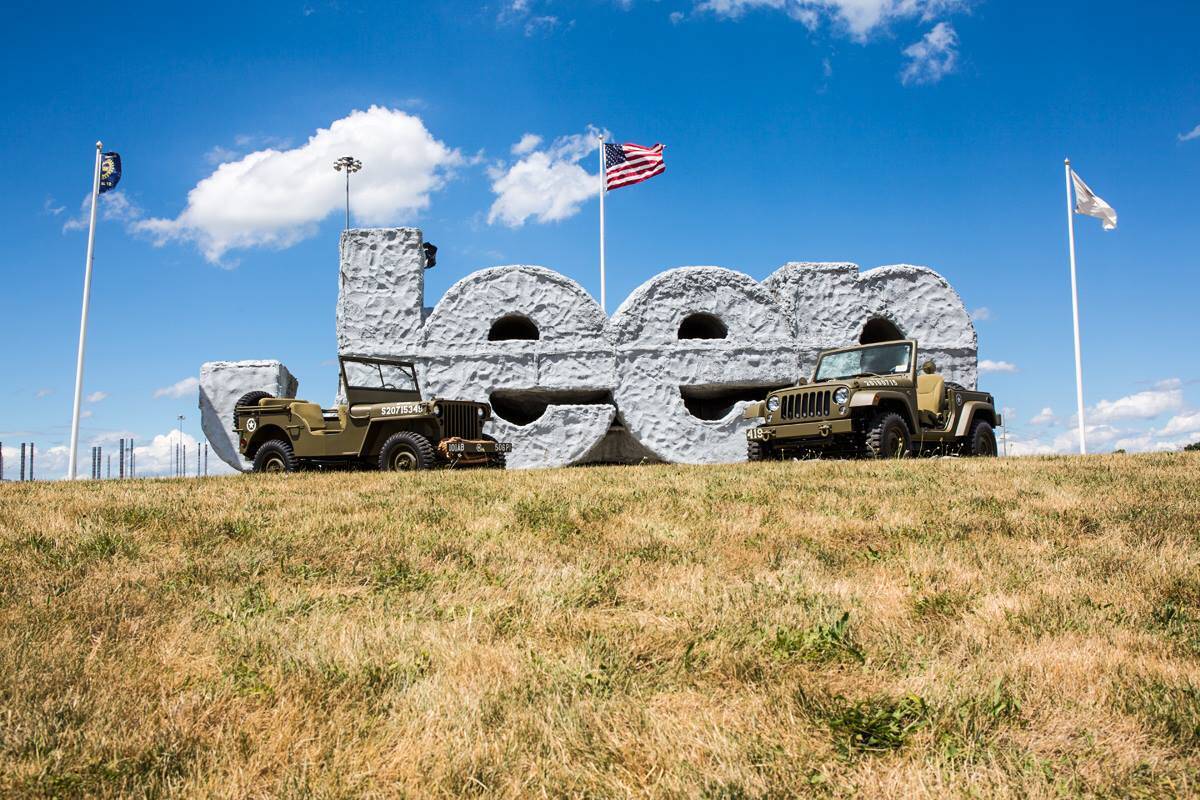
pixel 888 437
pixel 405 451
pixel 499 460
pixel 274 456
pixel 758 451
pixel 981 441
pixel 249 399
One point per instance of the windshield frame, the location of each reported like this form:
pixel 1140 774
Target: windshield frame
pixel 405 368
pixel 908 371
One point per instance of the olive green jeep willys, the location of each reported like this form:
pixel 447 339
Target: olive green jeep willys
pixel 872 401
pixel 384 424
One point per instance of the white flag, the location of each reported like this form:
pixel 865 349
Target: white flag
pixel 1086 202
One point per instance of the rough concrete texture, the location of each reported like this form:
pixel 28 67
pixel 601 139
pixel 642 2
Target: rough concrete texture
pixel 676 399
pixel 830 304
pixel 656 367
pixel 222 384
pixel 381 291
pixel 571 358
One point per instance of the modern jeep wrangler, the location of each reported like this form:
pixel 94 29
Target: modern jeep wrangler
pixel 870 400
pixel 384 424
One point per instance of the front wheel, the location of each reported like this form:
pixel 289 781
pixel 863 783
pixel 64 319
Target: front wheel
pixel 887 437
pixel 405 451
pixel 981 441
pixel 275 456
pixel 758 451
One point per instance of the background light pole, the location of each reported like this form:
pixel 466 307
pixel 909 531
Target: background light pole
pixel 347 164
pixel 179 448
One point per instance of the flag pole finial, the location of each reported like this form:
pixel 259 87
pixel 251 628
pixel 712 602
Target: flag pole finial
pixel 99 145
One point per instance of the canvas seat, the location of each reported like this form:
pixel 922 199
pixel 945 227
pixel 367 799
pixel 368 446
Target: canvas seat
pixel 931 392
pixel 310 413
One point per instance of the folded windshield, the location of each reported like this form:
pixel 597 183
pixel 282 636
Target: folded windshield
pixel 884 359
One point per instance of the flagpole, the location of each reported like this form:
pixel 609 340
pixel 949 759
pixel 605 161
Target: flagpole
pixel 1075 312
pixel 603 191
pixel 87 293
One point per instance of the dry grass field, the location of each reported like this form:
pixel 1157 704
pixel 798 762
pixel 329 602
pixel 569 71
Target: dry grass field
pixel 1005 628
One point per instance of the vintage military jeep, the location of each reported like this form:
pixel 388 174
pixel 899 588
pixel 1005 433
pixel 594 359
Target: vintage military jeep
pixel 871 401
pixel 384 424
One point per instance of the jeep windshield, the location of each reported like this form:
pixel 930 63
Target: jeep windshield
pixel 884 359
pixel 379 376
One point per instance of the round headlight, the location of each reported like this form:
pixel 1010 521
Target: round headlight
pixel 841 395
pixel 773 404
pixel 482 412
pixel 437 410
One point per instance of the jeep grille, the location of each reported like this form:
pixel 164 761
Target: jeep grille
pixel 803 405
pixel 460 419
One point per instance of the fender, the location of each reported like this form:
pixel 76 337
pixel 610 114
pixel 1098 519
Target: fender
pixel 874 397
pixel 967 415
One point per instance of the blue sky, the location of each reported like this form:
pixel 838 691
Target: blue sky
pixel 873 131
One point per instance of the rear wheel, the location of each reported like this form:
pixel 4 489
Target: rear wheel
pixel 981 441
pixel 405 451
pixel 275 456
pixel 887 437
pixel 758 451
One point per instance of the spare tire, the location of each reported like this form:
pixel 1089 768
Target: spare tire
pixel 249 399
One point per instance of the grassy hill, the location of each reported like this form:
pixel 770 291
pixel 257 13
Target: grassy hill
pixel 1022 628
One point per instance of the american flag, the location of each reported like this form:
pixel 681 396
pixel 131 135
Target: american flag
pixel 627 164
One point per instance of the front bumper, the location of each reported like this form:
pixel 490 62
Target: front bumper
pixel 821 429
pixel 456 449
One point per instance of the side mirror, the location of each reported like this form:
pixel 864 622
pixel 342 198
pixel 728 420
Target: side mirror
pixel 430 252
pixel 929 367
pixel 801 381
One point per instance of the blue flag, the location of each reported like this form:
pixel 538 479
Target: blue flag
pixel 110 171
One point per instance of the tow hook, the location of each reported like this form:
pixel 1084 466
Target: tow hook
pixel 826 429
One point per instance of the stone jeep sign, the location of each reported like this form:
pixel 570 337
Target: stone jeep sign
pixel 665 378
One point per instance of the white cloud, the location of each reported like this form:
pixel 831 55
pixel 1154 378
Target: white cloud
pixel 12 461
pixel 1194 133
pixel 981 314
pixel 178 390
pixel 932 58
pixel 115 206
pixel 528 143
pixel 1097 436
pixel 85 414
pixel 1044 417
pixel 44 393
pixel 52 208
pixel 96 397
pixel 1187 422
pixel 548 184
pixel 858 17
pixel 275 198
pixel 220 155
pixel 540 24
pixel 1165 396
pixel 676 17
pixel 1148 442
pixel 158 457
pixel 988 366
pixel 1022 446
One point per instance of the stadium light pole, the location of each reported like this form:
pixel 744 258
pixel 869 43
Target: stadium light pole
pixel 179 447
pixel 347 164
